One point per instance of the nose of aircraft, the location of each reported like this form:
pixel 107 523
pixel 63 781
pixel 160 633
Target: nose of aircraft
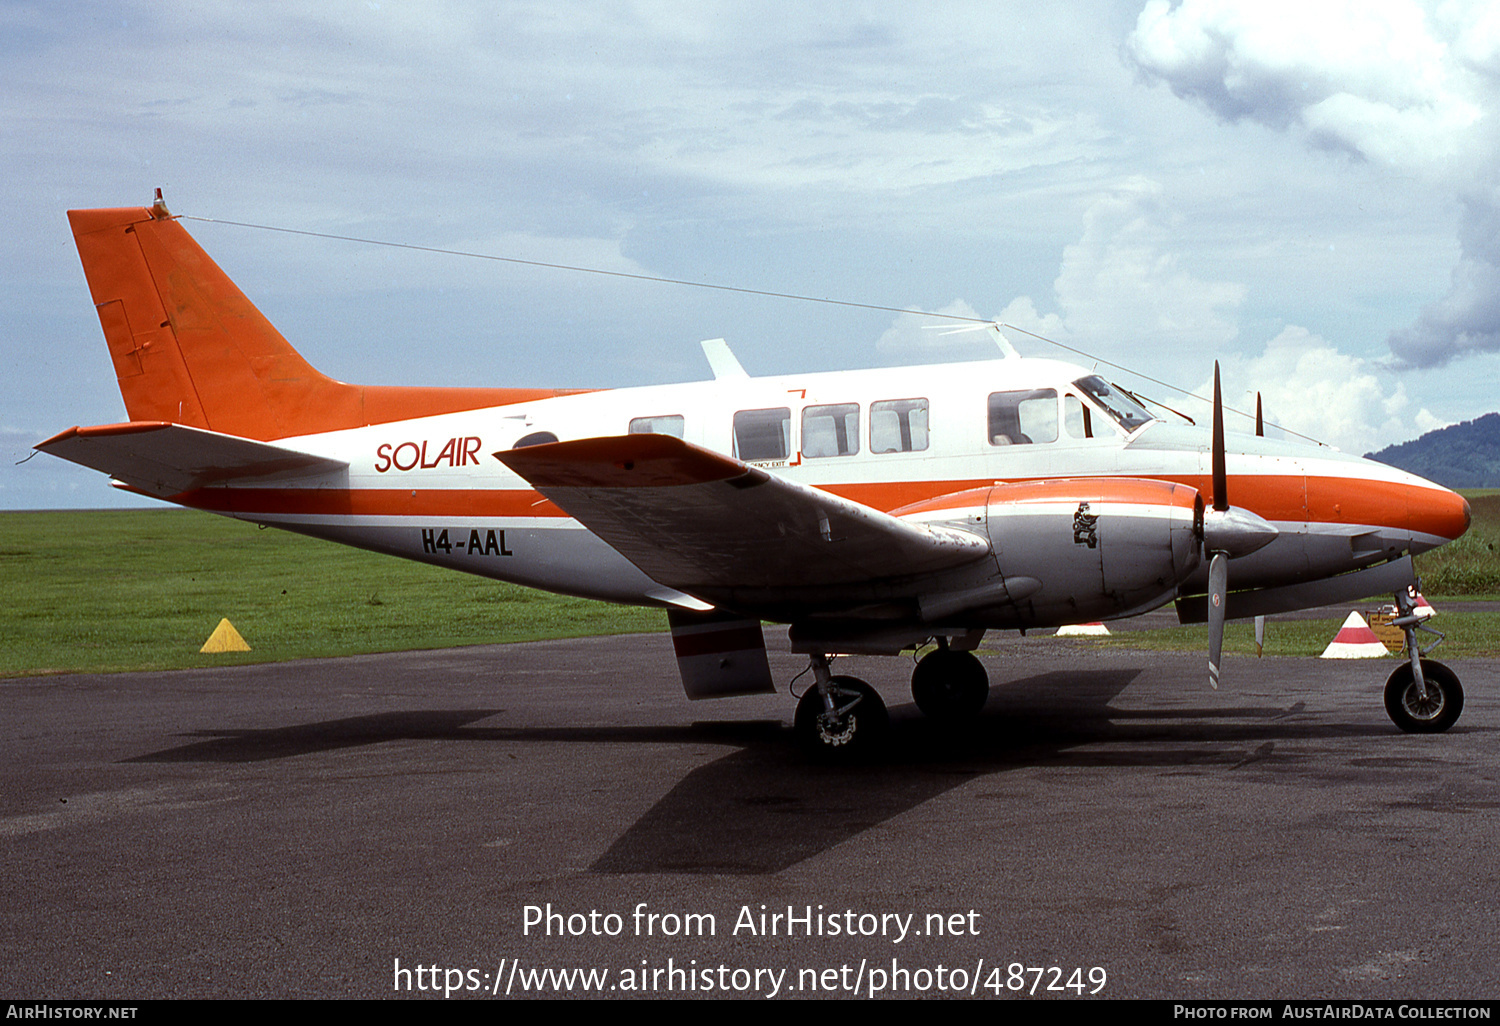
pixel 1440 513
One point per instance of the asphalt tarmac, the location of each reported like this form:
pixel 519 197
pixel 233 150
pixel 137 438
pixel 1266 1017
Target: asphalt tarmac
pixel 556 818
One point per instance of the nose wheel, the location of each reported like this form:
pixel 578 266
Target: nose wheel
pixel 1428 706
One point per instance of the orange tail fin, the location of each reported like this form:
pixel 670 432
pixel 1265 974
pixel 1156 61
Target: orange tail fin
pixel 189 348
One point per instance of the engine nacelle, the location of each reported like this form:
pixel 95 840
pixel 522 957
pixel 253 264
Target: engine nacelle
pixel 1081 549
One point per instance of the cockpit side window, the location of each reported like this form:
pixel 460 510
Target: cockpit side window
pixel 1023 418
pixel 1077 421
pixel 1124 410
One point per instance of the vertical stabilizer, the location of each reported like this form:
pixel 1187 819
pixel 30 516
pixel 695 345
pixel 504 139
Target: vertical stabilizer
pixel 190 348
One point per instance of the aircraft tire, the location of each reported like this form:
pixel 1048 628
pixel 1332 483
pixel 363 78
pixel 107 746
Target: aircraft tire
pixel 1440 710
pixel 859 734
pixel 949 685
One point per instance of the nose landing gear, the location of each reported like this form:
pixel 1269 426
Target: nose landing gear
pixel 1422 696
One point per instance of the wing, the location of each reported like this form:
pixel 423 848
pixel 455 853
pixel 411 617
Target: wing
pixel 164 459
pixel 701 522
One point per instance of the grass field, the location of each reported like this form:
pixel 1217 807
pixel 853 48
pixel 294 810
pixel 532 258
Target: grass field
pixel 1469 635
pixel 1471 565
pixel 92 591
pixel 99 591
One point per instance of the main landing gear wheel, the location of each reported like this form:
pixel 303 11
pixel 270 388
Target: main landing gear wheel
pixel 854 729
pixel 949 685
pixel 1418 714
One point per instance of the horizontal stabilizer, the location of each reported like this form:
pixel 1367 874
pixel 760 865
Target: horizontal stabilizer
pixel 696 520
pixel 164 460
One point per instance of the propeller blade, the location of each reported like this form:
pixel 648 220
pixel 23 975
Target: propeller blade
pixel 1218 585
pixel 1260 635
pixel 1221 484
pixel 1260 420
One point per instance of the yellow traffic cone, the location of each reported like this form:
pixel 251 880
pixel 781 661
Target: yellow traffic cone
pixel 225 639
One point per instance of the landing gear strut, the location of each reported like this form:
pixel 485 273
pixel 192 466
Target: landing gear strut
pixel 950 685
pixel 1422 696
pixel 841 718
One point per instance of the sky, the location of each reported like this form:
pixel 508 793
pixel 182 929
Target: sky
pixel 1307 193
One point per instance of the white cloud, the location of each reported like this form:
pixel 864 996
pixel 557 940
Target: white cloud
pixel 1121 291
pixel 1121 284
pixel 1369 76
pixel 1308 386
pixel 923 337
pixel 1426 422
pixel 1022 313
pixel 1410 86
pixel 1467 319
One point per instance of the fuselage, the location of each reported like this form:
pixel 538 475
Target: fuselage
pixel 895 439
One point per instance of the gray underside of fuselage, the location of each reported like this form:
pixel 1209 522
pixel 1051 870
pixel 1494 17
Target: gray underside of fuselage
pixel 563 557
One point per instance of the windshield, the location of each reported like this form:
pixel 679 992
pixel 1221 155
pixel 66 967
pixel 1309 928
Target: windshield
pixel 1125 411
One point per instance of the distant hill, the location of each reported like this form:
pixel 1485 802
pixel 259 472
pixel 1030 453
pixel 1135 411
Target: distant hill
pixel 1464 455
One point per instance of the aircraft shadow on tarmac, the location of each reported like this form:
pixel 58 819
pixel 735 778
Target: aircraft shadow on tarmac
pixel 763 807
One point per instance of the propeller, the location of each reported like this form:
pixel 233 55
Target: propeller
pixel 1218 566
pixel 1218 589
pixel 1260 621
pixel 1228 533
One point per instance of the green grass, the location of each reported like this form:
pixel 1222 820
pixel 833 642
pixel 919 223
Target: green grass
pixel 96 591
pixel 1471 565
pixel 1469 635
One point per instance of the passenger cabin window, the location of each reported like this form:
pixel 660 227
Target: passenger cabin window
pixel 535 438
pixel 668 425
pixel 1023 418
pixel 830 430
pixel 898 425
pixel 763 434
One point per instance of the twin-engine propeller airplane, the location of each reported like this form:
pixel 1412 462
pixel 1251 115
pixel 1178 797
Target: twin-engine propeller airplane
pixel 873 511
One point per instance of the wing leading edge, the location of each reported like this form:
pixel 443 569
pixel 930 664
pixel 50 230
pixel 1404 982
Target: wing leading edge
pixel 706 524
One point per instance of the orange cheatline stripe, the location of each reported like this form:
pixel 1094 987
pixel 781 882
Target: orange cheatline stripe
pixel 1330 500
pixel 372 502
pixel 1139 491
pixel 1347 500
